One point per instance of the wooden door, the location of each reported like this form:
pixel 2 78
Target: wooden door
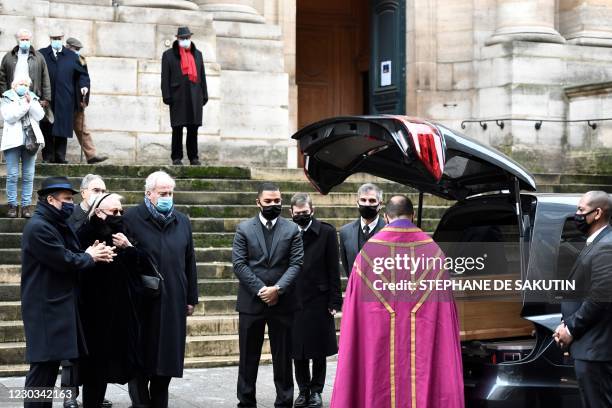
pixel 332 59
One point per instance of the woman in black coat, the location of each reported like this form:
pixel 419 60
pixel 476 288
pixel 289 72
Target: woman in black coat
pixel 109 302
pixel 183 86
pixel 319 293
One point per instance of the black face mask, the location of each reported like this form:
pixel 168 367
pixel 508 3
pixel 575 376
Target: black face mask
pixel 302 219
pixel 104 229
pixel 271 212
pixel 368 212
pixel 581 222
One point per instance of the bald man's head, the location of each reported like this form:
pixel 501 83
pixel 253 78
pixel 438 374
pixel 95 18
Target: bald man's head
pixel 595 206
pixel 399 206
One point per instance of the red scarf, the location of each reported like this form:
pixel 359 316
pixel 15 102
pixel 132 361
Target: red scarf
pixel 188 65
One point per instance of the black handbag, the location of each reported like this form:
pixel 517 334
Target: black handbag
pixel 31 143
pixel 151 284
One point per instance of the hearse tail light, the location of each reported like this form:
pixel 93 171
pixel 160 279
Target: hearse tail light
pixel 426 142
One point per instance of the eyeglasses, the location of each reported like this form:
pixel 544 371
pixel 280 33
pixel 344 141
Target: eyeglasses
pixel 98 190
pixel 114 212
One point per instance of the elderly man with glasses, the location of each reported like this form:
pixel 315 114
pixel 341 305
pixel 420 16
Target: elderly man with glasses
pixel 92 186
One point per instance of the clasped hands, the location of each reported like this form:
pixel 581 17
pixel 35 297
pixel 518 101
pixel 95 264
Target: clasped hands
pixel 562 336
pixel 100 252
pixel 269 294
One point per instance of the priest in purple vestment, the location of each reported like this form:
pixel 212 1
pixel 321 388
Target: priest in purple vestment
pixel 399 338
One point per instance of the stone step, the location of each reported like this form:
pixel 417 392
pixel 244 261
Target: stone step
pixel 209 225
pixel 12 331
pixel 18 370
pixel 117 184
pixel 281 174
pixel 80 170
pixel 206 287
pixel 12 353
pixel 248 198
pixel 248 211
pixel 206 270
pixel 208 305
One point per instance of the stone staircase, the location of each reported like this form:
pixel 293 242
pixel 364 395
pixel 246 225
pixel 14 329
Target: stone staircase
pixel 216 199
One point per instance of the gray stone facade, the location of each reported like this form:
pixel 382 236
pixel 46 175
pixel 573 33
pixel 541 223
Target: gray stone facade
pixel 466 59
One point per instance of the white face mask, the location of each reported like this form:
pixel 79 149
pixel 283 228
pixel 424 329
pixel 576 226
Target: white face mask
pixel 185 43
pixel 91 199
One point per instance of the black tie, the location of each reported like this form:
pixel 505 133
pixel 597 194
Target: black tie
pixel 366 231
pixel 269 225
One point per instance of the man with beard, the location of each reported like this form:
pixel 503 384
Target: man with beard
pixel 355 234
pixel 318 290
pixel 267 254
pixel 164 234
pixel 108 307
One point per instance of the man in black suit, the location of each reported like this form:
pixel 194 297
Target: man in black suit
pixel 587 317
pixel 355 234
pixel 267 255
pixel 320 296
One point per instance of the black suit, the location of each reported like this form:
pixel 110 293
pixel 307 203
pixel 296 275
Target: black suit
pixel 588 317
pixel 352 240
pixel 258 263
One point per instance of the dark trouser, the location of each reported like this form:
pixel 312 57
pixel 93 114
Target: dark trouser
pixel 302 374
pixel 149 391
pixel 70 379
pixel 41 375
pixel 251 336
pixel 595 383
pixel 55 147
pixel 94 391
pixel 177 142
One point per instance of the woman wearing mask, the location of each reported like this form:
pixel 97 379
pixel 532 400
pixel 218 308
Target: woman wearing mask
pixel 109 301
pixel 21 111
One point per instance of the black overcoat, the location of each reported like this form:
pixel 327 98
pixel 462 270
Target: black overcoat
pixel 63 72
pixel 318 289
pixel 109 301
pixel 184 97
pixel 51 259
pixel 171 248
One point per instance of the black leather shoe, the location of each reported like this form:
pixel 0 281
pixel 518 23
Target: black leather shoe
pixel 97 159
pixel 177 162
pixel 195 162
pixel 61 161
pixel 106 404
pixel 301 400
pixel 315 400
pixel 72 403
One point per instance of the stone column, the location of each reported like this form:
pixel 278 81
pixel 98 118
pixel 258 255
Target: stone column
pixel 525 20
pixel 586 22
pixel 231 10
pixel 169 4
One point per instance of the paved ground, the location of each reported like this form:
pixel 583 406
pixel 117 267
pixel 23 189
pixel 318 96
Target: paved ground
pixel 211 387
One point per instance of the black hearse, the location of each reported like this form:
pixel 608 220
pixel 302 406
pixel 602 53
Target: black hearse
pixel 509 356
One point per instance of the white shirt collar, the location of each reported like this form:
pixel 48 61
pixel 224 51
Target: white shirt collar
pixel 305 229
pixel 264 221
pixel 372 225
pixel 594 235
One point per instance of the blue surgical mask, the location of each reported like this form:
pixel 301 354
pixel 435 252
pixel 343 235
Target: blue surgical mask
pixel 185 43
pixel 56 44
pixel 164 204
pixel 77 52
pixel 67 209
pixel 21 90
pixel 24 45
